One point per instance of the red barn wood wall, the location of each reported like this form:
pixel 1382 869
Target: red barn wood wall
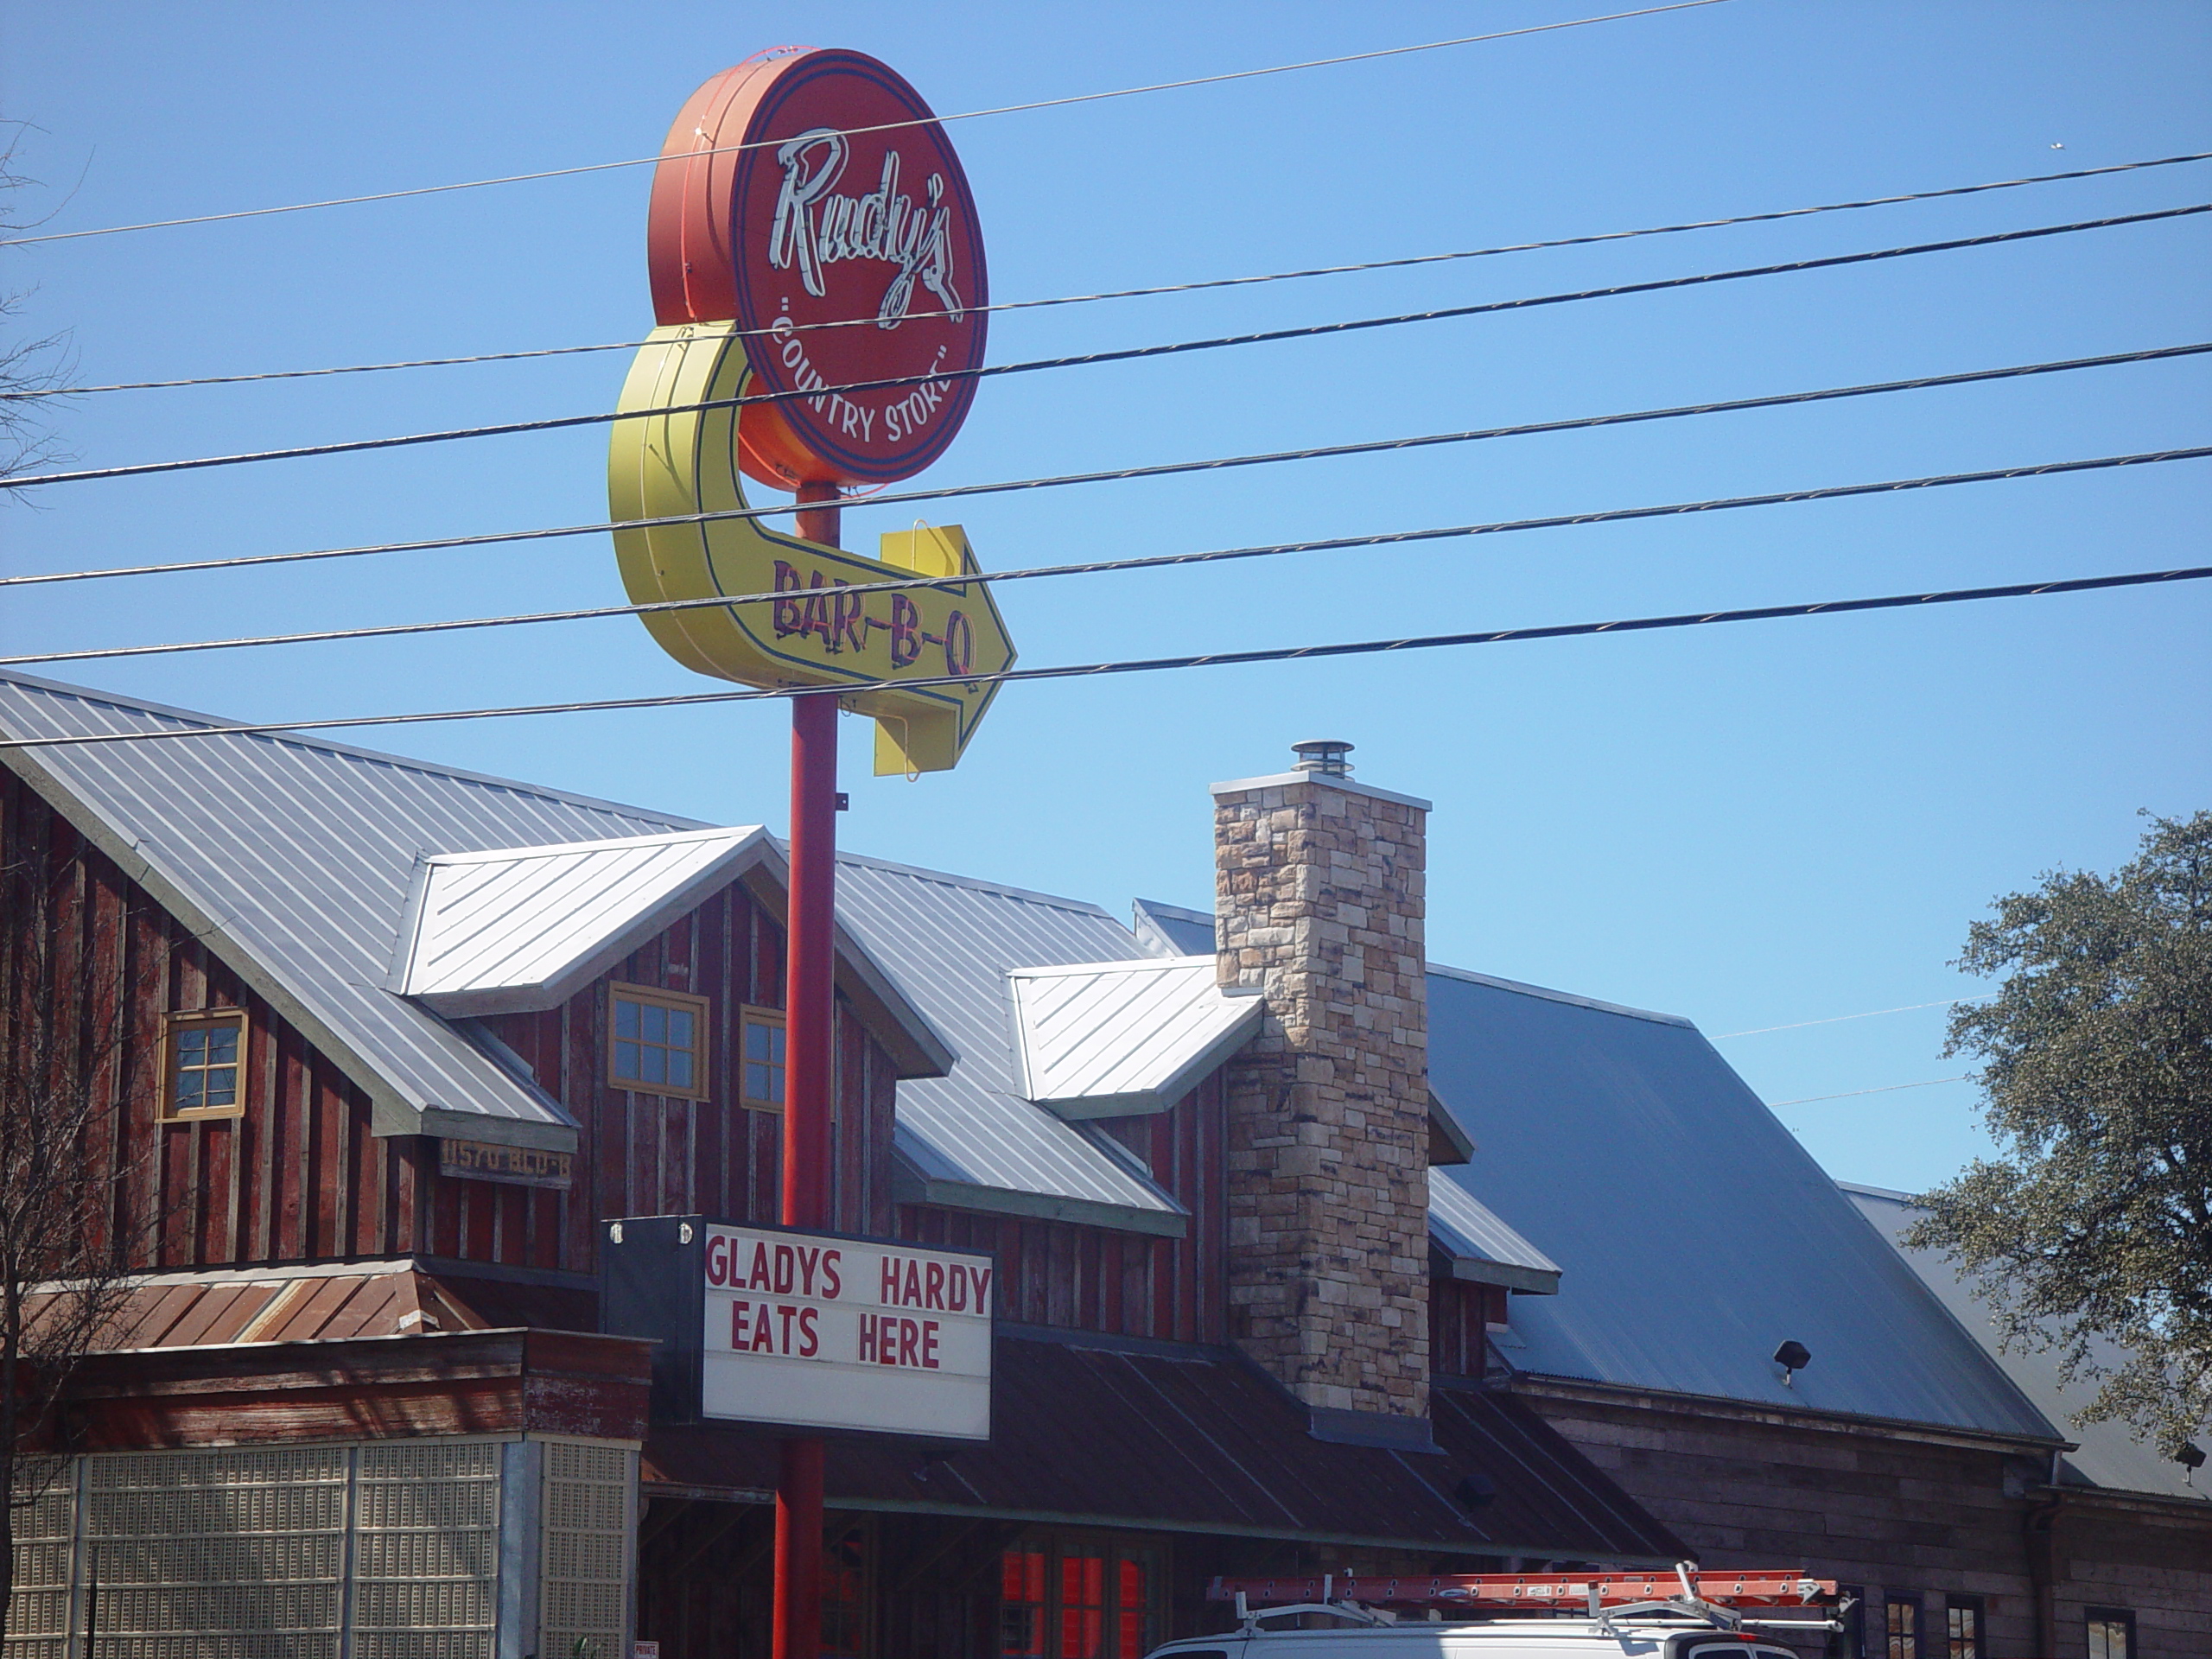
pixel 298 1176
pixel 1458 1311
pixel 1088 1278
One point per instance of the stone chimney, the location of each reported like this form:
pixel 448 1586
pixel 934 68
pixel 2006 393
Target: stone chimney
pixel 1319 899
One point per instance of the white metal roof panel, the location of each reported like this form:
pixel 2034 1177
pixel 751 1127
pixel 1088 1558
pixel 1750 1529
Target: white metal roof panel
pixel 972 1137
pixel 2108 1454
pixel 1482 1247
pixel 1115 1038
pixel 494 932
pixel 295 857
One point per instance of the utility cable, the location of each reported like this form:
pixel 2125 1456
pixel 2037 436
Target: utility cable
pixel 1147 561
pixel 1838 1019
pixel 1154 664
pixel 1092 359
pixel 871 321
pixel 1127 473
pixel 886 126
pixel 1887 1089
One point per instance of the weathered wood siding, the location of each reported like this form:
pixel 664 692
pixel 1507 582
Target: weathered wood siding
pixel 1459 1314
pixel 643 1155
pixel 299 1176
pixel 1898 1516
pixel 1090 1278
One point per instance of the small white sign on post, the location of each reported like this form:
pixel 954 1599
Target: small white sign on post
pixel 827 1332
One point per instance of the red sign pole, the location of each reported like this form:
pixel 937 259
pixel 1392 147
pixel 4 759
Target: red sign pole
pixel 810 1083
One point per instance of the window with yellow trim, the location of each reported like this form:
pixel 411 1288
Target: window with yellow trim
pixel 656 1042
pixel 760 1059
pixel 202 1064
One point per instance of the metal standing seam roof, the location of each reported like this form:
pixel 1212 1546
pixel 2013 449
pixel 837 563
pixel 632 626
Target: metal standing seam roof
pixel 498 932
pixel 294 858
pixel 1482 1247
pixel 2107 1454
pixel 1116 1039
pixel 973 1139
pixel 1693 1233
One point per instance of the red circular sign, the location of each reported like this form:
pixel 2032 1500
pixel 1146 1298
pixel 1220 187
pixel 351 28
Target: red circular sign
pixel 834 198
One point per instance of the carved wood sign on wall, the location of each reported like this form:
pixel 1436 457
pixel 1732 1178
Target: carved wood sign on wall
pixel 481 1161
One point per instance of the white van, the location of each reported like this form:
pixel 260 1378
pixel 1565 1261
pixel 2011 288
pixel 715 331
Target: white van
pixel 1530 1638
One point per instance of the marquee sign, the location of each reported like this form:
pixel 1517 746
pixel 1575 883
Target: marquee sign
pixel 804 1329
pixel 810 228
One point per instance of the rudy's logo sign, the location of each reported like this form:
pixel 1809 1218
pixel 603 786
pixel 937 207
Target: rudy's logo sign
pixel 812 198
pixel 811 230
pixel 814 228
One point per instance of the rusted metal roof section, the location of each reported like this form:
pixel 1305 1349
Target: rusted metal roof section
pixel 524 928
pixel 1483 1247
pixel 223 1308
pixel 1123 1038
pixel 1197 1440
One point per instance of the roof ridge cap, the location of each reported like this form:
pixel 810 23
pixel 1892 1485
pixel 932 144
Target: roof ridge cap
pixel 403 762
pixel 1468 975
pixel 977 884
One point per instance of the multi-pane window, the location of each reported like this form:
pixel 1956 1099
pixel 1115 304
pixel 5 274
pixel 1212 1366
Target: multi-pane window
pixel 1963 1627
pixel 658 1044
pixel 760 1061
pixel 2112 1633
pixel 1076 1599
pixel 205 1051
pixel 1903 1622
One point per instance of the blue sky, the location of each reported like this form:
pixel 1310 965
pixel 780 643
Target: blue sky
pixel 1753 826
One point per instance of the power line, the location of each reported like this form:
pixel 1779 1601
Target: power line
pixel 1128 474
pixel 1887 1089
pixel 1837 1018
pixel 886 126
pixel 1155 664
pixel 1090 359
pixel 1147 561
pixel 1143 293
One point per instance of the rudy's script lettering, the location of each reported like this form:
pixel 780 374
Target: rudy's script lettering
pixel 814 227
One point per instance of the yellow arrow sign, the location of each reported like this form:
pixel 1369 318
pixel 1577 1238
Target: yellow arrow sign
pixel 812 634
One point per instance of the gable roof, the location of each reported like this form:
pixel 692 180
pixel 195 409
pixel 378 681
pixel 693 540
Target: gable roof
pixel 1693 1233
pixel 972 1138
pixel 296 860
pixel 1119 1038
pixel 2108 1454
pixel 527 927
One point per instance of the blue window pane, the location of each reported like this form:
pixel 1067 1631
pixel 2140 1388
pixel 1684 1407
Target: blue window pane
pixel 626 1061
pixel 680 1027
pixel 222 1085
pixel 680 1067
pixel 188 1085
pixel 222 1044
pixel 626 1018
pixel 654 1066
pixel 192 1045
pixel 756 1040
pixel 654 1028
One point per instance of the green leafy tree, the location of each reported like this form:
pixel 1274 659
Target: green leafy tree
pixel 2092 1232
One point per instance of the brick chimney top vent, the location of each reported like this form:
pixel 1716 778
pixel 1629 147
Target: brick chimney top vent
pixel 1325 755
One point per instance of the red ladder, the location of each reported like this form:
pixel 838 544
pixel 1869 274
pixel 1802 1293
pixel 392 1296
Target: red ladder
pixel 1761 1587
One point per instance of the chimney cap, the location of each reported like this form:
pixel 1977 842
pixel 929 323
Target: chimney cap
pixel 1324 755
